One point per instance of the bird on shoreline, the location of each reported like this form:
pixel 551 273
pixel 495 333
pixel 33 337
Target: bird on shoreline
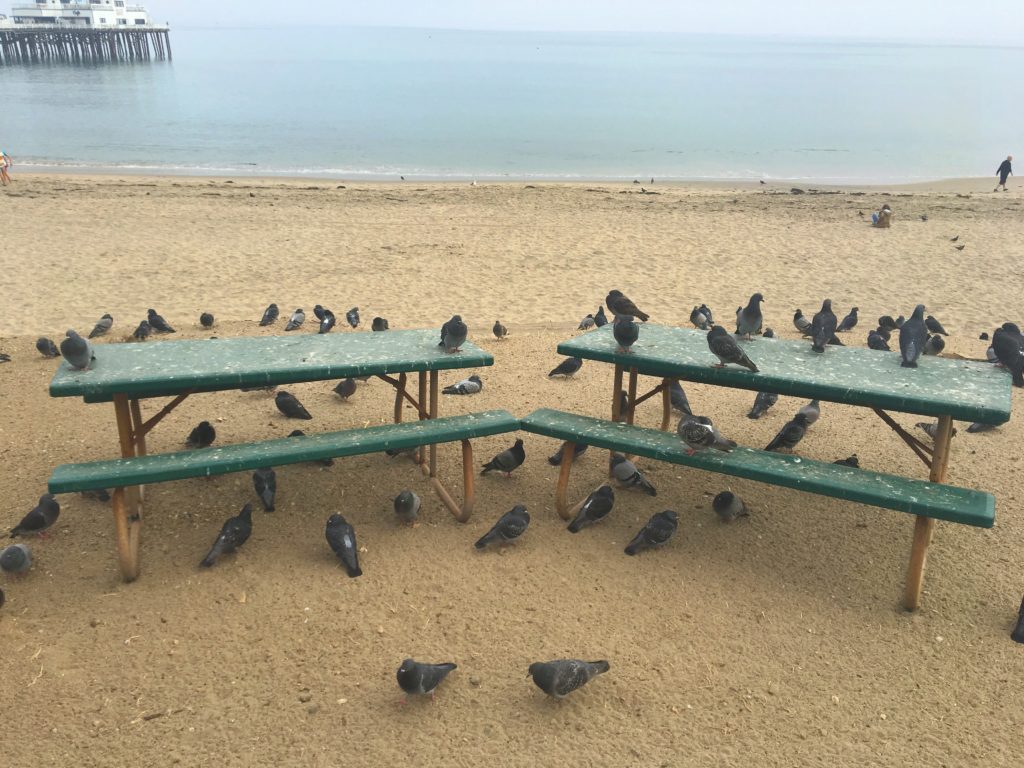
pixel 39 519
pixel 46 347
pixel 507 460
pixel 595 508
pixel 801 323
pixel 206 320
pixel 567 368
pixel 352 316
pixel 157 322
pixel 270 315
pixel 849 322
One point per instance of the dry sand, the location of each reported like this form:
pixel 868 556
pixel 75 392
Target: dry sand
pixel 776 641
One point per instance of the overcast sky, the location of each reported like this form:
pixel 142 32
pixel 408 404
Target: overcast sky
pixel 984 21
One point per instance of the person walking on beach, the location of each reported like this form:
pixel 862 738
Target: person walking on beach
pixel 5 163
pixel 1004 170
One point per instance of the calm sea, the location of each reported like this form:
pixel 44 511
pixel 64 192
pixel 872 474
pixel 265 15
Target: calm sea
pixel 453 104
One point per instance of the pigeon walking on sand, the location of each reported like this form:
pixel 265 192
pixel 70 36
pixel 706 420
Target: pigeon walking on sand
pixel 1006 347
pixel 561 677
pixel 296 320
pixel 507 460
pixel 555 459
pixel 157 322
pixel 849 322
pixel 749 320
pixel 327 321
pixel 16 558
pixel 619 304
pixel 407 506
pixel 567 368
pixel 762 403
pixel 453 334
pixel 934 345
pixel 418 679
pixel 41 517
pixel 77 351
pixel 202 436
pixel 724 347
pixel 595 508
pixel 626 473
pixel 913 337
pixel 600 318
pixel 700 434
pixel 823 327
pixel 102 327
pixel 290 406
pixel 509 527
pixel 233 534
pixel 264 481
pixel 352 316
pixel 270 315
pixel 143 331
pixel 469 386
pixel 499 330
pixel 626 333
pixel 849 461
pixel 728 506
pixel 345 388
pixel 790 434
pixel 656 532
pixel 342 539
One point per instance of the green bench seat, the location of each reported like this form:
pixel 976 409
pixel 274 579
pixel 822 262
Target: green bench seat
pixel 917 497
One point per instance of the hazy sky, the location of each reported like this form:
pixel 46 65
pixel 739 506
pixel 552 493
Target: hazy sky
pixel 985 21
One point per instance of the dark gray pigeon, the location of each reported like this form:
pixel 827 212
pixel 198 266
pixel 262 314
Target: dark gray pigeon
pixel 233 534
pixel 379 324
pixel 801 323
pixel 628 475
pixel 567 367
pixel 913 337
pixel 768 333
pixel 328 462
pixel 4 357
pixel 849 461
pixel 270 315
pixel 626 332
pixel 327 322
pixel 600 318
pixel 555 459
pixel 619 304
pixel 453 334
pixel 655 533
pixel 16 558
pixel 934 345
pixel 728 506
pixel 877 341
pixel 849 322
pixel 77 351
pixel 509 527
pixel 206 320
pixel 762 403
pixel 823 327
pixel 623 406
pixel 342 539
pixel 934 326
pixel 202 436
pixel 724 347
pixel 979 427
pixel 706 311
pixel 1018 631
pixel 418 679
pixel 1006 347
pixel 886 321
pixel 680 403
pixel 345 388
pixel 595 508
pixel 811 411
pixel 699 319
pixel 42 516
pixel 507 460
pixel 700 434
pixel 499 330
pixel 750 320
pixel 290 406
pixel 143 331
pixel 791 434
pixel 296 320
pixel 318 312
pixel 586 323
pixel 407 506
pixel 885 333
pixel 469 386
pixel 157 323
pixel 264 480
pixel 102 327
pixel 561 677
pixel 352 316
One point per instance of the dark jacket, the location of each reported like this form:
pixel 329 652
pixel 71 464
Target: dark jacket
pixel 1004 169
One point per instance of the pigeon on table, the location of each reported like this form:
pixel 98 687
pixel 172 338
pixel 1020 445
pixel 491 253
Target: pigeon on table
pixel 886 321
pixel 352 316
pixel 16 558
pixel 849 322
pixel 728 506
pixel 600 318
pixel 453 334
pixel 509 527
pixel 328 462
pixel 233 534
pixel 469 386
pixel 724 347
pixel 379 324
pixel 931 428
pixel 628 475
pixel 849 461
pixel 619 304
pixel 885 333
pixel 42 516
pixel 202 436
pixel 934 326
pixel 143 331
pixel 77 351
pixel 418 679
pixel 801 323
pixel 345 388
pixel 264 481
pixel 626 332
pixel 700 434
pixel 561 677
pixel 877 341
pixel 595 508
pixel 699 319
pixel 586 323
pixel 342 539
pixel 1008 352
pixel 567 368
pixel 677 395
pixel 157 322
pixel 407 506
pixel 270 315
pixel 762 403
pixel 749 320
pixel 934 345
pixel 102 327
pixel 823 327
pixel 290 406
pixel 913 337
pixel 790 434
pixel 206 320
pixel 327 322
pixel 499 330
pixel 811 411
pixel 655 533
pixel 555 459
pixel 507 460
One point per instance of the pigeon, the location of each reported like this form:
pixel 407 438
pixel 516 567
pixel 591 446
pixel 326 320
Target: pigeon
pixel 42 516
pixel 900 321
pixel 16 558
pixel 931 428
pixel 991 356
pixel 586 323
pixel 555 459
pixel 327 322
pixel 823 327
pixel 453 334
pixel 706 311
pixel 157 322
pixel 934 345
pixel 886 321
pixel 934 326
pixel 411 451
pixel 233 534
pixel 270 315
pixel 954 239
pixel 4 357
pixel 762 403
pixel 983 336
pixel 46 347
pixel 600 318
pixel 202 436
pixel 655 533
pixel 102 327
pixel 507 460
pixel 595 508
pixel 626 332
pixel 379 324
pixel 469 386
pixel 353 317
pixel 143 331
pixel 680 403
pixel 620 304
pixel 885 333
pixel 561 677
pixel 567 368
pixel 849 461
pixel 342 538
pixel 801 323
pixel 725 348
pixel 318 312
pixel 1017 635
pixel 296 320
pixel 877 341
pixel 913 336
pixel 728 506
pixel 509 527
pixel 328 462
pixel 811 411
pixel 959 247
pixel 3 598
pixel 77 351
pixel 979 427
pixel 345 388
pixel 264 480
pixel 849 322
pixel 418 679
pixel 499 330
pixel 289 405
pixel 206 320
pixel 623 406
pixel 791 434
pixel 99 494
pixel 749 320
pixel 627 474
pixel 699 319
pixel 700 434
pixel 407 506
pixel 924 217
pixel 768 333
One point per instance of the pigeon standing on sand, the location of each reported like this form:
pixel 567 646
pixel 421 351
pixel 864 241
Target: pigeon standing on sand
pixel 849 461
pixel 934 326
pixel 567 368
pixel 595 508
pixel 509 527
pixel 677 395
pixel 345 388
pixel 453 334
pixel 823 327
pixel 700 434
pixel 934 345
pixel 202 436
pixel 728 506
pixel 318 312
pixel 750 320
pixel 1006 346
pixel 561 677
pixel 407 506
pixel 206 320
pixel 913 337
pixel 352 316
pixel 290 406
pixel 418 679
pixel 264 481
pixel 143 331
pixel 327 322
pixel 42 516
pixel 600 318
pixel 628 475
pixel 555 460
pixel 586 323
pixel 469 386
pixel 102 327
pixel 619 304
pixel 626 332
pixel 980 427
pixel 699 319
pixel 706 311
pixel 157 323
pixel 801 323
pixel 655 533
pixel 296 320
pixel 76 350
pixel 849 322
pixel 233 534
pixel 379 324
pixel 4 357
pixel 762 403
pixel 791 434
pixel 342 539
pixel 507 460
pixel 811 411
pixel 270 315
pixel 16 558
pixel 724 347
pixel 877 341
pixel 499 330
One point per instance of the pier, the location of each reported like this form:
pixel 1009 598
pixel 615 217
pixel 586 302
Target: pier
pixel 46 44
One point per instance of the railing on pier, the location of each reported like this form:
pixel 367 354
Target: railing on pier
pixel 44 44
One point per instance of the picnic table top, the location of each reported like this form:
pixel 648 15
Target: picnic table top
pixel 170 367
pixel 939 386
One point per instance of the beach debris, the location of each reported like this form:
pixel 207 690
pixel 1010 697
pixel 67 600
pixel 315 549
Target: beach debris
pixel 699 434
pixel 595 508
pixel 811 411
pixel 469 386
pixel 233 534
pixel 656 532
pixel 453 334
pixel 567 368
pixel 913 336
pixel 586 323
pixel 352 316
pixel 626 473
pixel 561 677
pixel 16 558
pixel 600 318
pixel 724 347
pixel 290 406
pixel 801 323
pixel 626 332
pixel 507 460
pixel 407 506
pixel 680 403
pixel 157 323
pixel 510 526
pixel 342 539
pixel 46 347
pixel 790 434
pixel 823 327
pixel 202 436
pixel 749 320
pixel 499 330
pixel 762 402
pixel 379 324
pixel 206 320
pixel 848 322
pixel 345 388
pixel 877 341
pixel 728 506
pixel 619 304
pixel 555 459
pixel 270 315
pixel 934 326
pixel 296 320
pixel 849 461
pixel 102 327
pixel 418 679
pixel 143 331
pixel 41 517
pixel 76 350
pixel 264 481
pixel 934 345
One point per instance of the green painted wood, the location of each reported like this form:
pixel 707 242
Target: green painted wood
pixel 918 497
pixel 205 462
pixel 164 367
pixel 939 386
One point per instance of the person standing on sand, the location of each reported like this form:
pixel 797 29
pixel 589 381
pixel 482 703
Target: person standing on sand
pixel 5 163
pixel 1004 170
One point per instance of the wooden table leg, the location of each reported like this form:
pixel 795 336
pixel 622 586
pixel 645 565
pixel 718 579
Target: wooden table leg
pixel 399 397
pixel 616 405
pixel 561 491
pixel 924 526
pixel 421 456
pixel 433 415
pixel 666 404
pixel 464 512
pixel 139 433
pixel 125 501
pixel 631 396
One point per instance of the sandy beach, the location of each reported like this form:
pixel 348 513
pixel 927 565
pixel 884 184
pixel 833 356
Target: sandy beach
pixel 775 641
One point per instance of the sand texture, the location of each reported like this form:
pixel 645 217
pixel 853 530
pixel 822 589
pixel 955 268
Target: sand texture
pixel 778 640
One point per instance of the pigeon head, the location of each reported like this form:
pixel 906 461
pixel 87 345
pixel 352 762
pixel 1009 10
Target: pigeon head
pixel 150 312
pixel 407 666
pixel 716 331
pixel 71 333
pixel 798 313
pixel 801 418
pixel 855 310
pixel 456 318
pixel 668 514
pixel 1011 328
pixel 335 520
pixel 756 299
pixel 615 293
pixel 297 433
pixel 918 313
pixel 826 305
pixel 299 309
pixel 475 378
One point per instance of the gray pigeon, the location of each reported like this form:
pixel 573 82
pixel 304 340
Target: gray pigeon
pixel 157 323
pixel 811 411
pixel 655 533
pixel 980 427
pixel 849 322
pixel 202 436
pixel 342 539
pixel 823 327
pixel 418 679
pixel 499 330
pixel 934 345
pixel 264 480
pixel 600 318
pixel 749 320
pixel 290 406
pixel 724 347
pixel 699 319
pixel 99 494
pixel 595 508
pixel 885 333
pixel 77 351
pixel 469 386
pixel 407 506
pixel 453 334
pixel 509 527
pixel 586 323
pixel 345 388
pixel 352 316
pixel 270 315
pixel 626 332
pixel 801 323
pixel 4 357
pixel 567 368
pixel 934 326
pixel 561 677
pixel 877 341
pixel 791 434
pixel 700 434
pixel 913 337
pixel 102 327
pixel 728 506
pixel 42 516
pixel 143 331
pixel 507 460
pixel 627 474
pixel 233 534
pixel 379 324
pixel 680 403
pixel 762 403
pixel 555 459
pixel 16 558
pixel 296 320
pixel 931 428
pixel 706 311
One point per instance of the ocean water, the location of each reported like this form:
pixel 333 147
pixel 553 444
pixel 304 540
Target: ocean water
pixel 377 103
